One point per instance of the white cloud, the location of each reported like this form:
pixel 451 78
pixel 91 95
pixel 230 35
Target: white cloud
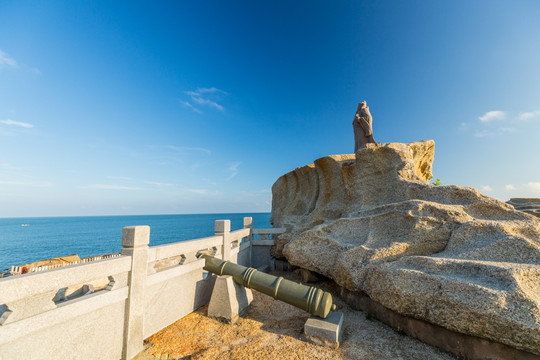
pixel 26 183
pixel 505 130
pixel 110 187
pixel 533 186
pixel 204 192
pixel 7 166
pixel 528 115
pixel 487 188
pixel 156 183
pixel 3 182
pixel 255 192
pixel 201 101
pixel 203 97
pixel 181 148
pixel 209 181
pixel 233 168
pixel 529 189
pixel 186 103
pixel 6 60
pixel 497 123
pixel 204 150
pixel 492 116
pixel 199 191
pixel 482 133
pixel 16 123
pixel 200 91
pixel 499 131
pixel 120 178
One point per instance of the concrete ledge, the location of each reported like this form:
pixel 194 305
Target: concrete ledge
pixel 263 242
pixel 466 346
pixel 279 265
pixel 264 268
pixel 325 332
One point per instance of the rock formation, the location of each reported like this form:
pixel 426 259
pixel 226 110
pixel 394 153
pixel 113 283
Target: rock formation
pixel 447 255
pixel 528 205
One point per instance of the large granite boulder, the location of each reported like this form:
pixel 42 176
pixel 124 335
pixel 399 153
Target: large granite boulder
pixel 448 255
pixel 528 205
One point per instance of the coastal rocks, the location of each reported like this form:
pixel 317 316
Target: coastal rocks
pixel 447 255
pixel 528 205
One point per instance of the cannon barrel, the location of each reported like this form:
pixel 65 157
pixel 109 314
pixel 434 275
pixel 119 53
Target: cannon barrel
pixel 315 301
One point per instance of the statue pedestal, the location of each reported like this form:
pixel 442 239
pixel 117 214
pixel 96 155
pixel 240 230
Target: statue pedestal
pixel 229 300
pixel 325 332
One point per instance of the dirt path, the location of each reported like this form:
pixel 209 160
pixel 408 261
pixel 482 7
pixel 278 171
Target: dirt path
pixel 274 330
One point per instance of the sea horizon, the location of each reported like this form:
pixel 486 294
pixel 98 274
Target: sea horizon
pixel 164 214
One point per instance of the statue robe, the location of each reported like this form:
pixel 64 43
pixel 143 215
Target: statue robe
pixel 363 132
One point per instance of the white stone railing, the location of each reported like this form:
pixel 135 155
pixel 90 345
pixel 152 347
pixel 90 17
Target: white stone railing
pixel 104 309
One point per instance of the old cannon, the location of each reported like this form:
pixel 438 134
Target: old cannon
pixel 315 301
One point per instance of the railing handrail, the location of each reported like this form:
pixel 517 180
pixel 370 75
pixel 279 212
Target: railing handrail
pixel 160 252
pixel 240 233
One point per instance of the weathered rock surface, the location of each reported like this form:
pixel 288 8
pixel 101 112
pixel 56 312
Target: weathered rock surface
pixel 444 254
pixel 528 205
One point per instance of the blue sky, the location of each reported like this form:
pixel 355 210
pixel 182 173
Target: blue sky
pixel 197 107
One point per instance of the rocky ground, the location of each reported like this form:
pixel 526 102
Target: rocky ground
pixel 274 330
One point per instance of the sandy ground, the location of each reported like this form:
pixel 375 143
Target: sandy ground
pixel 274 330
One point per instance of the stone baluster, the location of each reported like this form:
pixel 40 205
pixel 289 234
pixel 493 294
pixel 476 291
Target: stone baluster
pixel 248 224
pixel 135 240
pixel 223 228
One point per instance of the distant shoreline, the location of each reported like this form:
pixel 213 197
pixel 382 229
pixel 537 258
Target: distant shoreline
pixel 118 215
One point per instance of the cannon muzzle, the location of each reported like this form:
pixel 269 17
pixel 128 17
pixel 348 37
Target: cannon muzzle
pixel 313 300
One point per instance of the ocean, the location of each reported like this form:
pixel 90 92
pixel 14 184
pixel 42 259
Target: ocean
pixel 25 240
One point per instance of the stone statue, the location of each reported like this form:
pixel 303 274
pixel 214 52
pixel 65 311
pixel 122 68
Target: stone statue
pixel 363 133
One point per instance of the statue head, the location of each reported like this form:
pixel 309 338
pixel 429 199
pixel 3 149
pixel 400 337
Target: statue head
pixel 362 107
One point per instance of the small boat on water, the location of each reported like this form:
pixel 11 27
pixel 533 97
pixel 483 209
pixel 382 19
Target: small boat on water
pixel 25 224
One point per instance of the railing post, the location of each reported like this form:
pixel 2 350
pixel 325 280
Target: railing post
pixel 248 224
pixel 223 228
pixel 135 240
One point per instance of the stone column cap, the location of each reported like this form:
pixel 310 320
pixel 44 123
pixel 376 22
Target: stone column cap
pixel 248 221
pixel 135 236
pixel 222 226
